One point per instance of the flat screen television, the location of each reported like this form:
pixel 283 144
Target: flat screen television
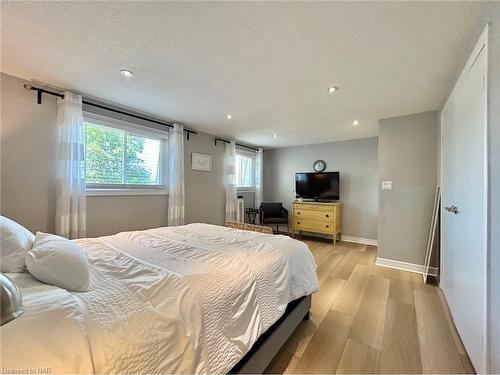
pixel 318 186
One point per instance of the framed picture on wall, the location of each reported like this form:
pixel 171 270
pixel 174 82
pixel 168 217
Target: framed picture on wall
pixel 201 162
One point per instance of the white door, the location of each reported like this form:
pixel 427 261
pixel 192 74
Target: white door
pixel 464 199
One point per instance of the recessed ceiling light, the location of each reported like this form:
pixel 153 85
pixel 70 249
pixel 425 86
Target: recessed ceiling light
pixel 229 116
pixel 275 135
pixel 332 89
pixel 355 122
pixel 126 73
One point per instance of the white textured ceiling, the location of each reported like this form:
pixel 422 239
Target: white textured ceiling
pixel 267 63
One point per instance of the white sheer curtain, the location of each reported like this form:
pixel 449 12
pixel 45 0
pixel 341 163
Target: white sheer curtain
pixel 176 176
pixel 259 177
pixel 70 174
pixel 230 181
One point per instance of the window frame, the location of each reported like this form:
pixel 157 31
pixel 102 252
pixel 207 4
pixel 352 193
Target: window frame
pixel 93 189
pixel 244 152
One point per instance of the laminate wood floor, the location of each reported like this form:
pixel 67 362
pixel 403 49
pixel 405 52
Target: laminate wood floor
pixel 371 319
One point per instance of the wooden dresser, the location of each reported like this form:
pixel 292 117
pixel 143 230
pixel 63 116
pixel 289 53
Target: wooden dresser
pixel 316 217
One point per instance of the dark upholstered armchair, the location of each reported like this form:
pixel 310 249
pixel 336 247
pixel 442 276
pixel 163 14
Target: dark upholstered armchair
pixel 274 214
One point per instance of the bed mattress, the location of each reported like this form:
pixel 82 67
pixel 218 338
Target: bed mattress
pixel 186 299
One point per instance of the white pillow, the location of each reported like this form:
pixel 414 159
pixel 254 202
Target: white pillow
pixel 15 241
pixel 58 261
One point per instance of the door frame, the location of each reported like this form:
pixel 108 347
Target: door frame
pixel 481 44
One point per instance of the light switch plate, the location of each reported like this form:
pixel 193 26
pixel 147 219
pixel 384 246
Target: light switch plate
pixel 386 185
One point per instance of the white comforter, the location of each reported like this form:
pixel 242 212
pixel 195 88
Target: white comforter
pixel 188 299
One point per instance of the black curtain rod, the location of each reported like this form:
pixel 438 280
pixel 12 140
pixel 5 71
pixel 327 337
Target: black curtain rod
pixel 237 144
pixel 41 91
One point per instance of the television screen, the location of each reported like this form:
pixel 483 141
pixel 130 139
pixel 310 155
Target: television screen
pixel 318 186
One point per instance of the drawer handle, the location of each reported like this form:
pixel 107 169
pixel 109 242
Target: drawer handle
pixel 298 222
pixel 327 215
pixel 298 213
pixel 327 226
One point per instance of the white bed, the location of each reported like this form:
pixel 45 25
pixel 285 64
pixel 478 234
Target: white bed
pixel 187 299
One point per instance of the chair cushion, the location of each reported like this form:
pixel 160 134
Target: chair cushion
pixel 276 220
pixel 272 210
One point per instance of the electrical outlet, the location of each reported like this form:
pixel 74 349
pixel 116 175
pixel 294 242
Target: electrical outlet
pixel 386 185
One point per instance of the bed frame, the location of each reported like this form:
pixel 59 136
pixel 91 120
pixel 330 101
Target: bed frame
pixel 269 344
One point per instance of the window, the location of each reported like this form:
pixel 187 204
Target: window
pixel 124 158
pixel 245 170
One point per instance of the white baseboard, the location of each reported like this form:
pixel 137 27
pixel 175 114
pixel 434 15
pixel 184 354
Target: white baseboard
pixel 364 241
pixel 405 266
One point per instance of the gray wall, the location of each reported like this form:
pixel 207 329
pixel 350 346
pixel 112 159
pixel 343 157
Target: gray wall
pixel 407 154
pixel 27 156
pixel 27 152
pixel 205 194
pixel 113 214
pixel 356 160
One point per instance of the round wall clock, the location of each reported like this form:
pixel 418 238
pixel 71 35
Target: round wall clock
pixel 319 165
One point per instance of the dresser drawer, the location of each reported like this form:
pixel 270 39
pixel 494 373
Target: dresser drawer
pixel 303 206
pixel 324 207
pixel 313 226
pixel 327 216
pixel 315 206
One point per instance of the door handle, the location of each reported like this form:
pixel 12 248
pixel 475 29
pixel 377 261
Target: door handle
pixel 452 209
